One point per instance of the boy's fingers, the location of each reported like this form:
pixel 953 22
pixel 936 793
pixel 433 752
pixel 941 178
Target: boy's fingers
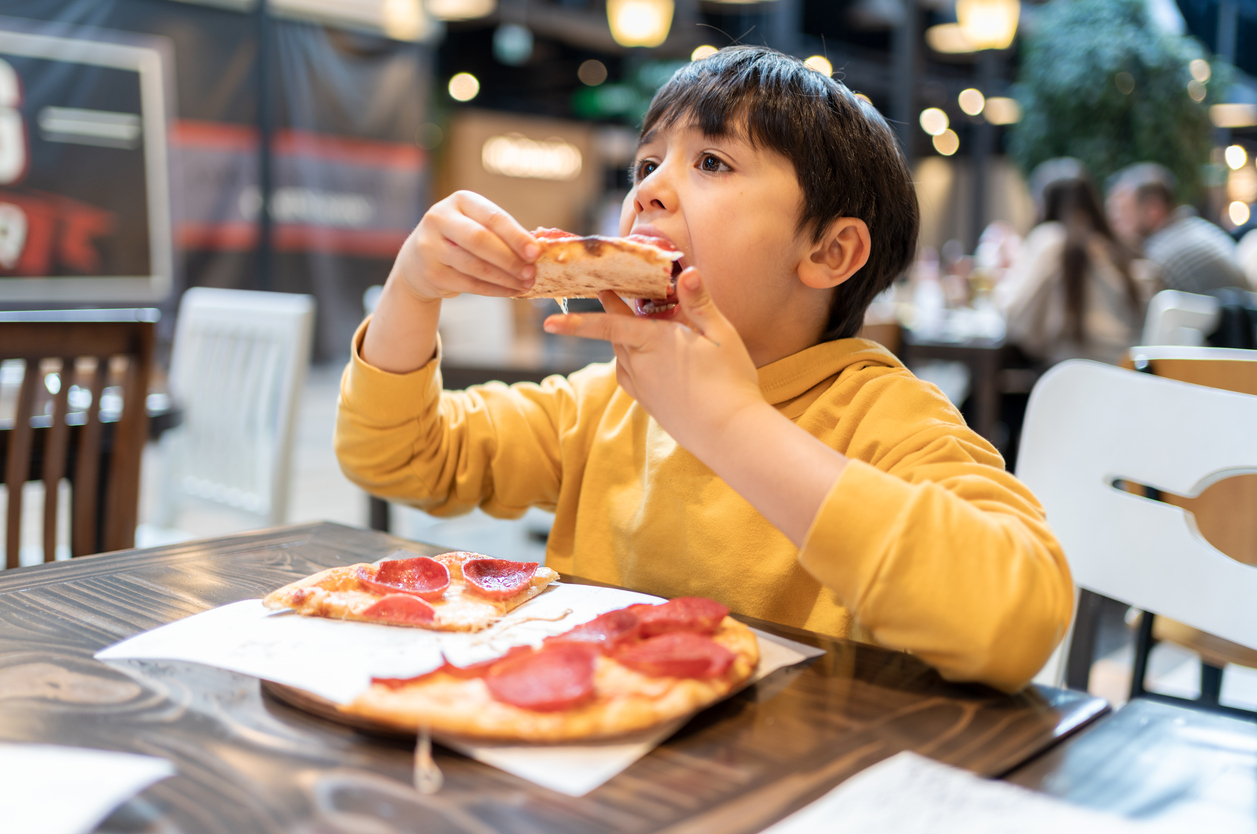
pixel 699 308
pixel 463 261
pixel 470 234
pixel 501 223
pixel 631 332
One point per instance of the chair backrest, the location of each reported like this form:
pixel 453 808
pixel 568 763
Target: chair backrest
pixel 78 384
pixel 1180 318
pixel 1089 425
pixel 238 366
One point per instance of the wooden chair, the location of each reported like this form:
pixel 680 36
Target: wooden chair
pixel 237 369
pixel 66 422
pixel 1090 430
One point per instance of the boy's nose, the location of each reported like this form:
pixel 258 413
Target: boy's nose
pixel 652 194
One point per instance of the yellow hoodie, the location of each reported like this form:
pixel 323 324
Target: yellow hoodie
pixel 924 543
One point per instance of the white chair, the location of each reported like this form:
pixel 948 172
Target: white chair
pixel 1180 318
pixel 239 364
pixel 1089 425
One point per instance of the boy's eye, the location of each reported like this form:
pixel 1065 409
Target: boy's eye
pixel 712 163
pixel 643 169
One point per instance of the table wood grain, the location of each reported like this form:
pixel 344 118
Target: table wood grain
pixel 1185 769
pixel 249 763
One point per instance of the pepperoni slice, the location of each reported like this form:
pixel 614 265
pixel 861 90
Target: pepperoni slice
pixel 420 576
pixel 605 631
pixel 401 609
pixel 681 654
pixel 696 614
pixel 498 578
pixel 555 678
pixel 472 670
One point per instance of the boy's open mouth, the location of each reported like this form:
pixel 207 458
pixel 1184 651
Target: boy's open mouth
pixel 660 306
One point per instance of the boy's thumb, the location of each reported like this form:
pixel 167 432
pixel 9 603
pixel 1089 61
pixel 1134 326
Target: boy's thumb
pixel 696 301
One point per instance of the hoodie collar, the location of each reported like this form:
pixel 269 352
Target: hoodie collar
pixel 798 373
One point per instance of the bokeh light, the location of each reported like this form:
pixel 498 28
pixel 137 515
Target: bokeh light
pixel 947 142
pixel 704 51
pixel 821 64
pixel 1236 156
pixel 1001 110
pixel 934 121
pixel 464 86
pixel 592 73
pixel 1196 89
pixel 1200 70
pixel 1239 213
pixel 972 101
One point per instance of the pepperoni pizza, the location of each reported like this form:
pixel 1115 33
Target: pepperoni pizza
pixel 629 669
pixel 457 591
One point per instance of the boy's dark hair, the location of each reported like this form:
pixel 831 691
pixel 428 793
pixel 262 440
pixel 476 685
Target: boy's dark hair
pixel 845 156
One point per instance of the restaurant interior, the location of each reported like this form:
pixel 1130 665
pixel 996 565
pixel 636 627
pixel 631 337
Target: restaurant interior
pixel 201 201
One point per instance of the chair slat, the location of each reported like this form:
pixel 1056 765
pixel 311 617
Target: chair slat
pixel 56 451
pixel 87 469
pixel 19 462
pixel 129 436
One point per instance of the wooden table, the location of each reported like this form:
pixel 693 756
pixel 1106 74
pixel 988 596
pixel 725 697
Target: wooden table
pixel 248 763
pixel 1185 768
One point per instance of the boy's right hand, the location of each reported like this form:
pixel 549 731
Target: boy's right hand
pixel 466 244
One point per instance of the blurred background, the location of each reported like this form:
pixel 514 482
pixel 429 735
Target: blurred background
pixel 154 150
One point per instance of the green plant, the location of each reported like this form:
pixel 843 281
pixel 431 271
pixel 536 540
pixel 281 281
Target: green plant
pixel 1101 82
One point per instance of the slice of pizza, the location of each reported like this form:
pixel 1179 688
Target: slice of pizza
pixel 457 591
pixel 627 670
pixel 636 266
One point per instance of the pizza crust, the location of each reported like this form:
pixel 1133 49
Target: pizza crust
pixel 581 267
pixel 625 700
pixel 336 593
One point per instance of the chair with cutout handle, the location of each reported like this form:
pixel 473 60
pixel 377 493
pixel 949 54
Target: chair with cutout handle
pixel 1090 430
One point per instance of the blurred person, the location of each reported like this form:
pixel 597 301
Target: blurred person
pixel 744 445
pixel 1192 254
pixel 1074 290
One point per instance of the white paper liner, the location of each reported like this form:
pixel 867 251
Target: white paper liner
pixel 50 789
pixel 336 660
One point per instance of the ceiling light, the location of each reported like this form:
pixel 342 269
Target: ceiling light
pixel 948 38
pixel 460 9
pixel 1236 156
pixel 821 64
pixel 988 24
pixel 639 22
pixel 1233 115
pixel 972 101
pixel 947 142
pixel 933 121
pixel 1001 110
pixel 464 86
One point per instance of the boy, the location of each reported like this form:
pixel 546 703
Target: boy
pixel 742 446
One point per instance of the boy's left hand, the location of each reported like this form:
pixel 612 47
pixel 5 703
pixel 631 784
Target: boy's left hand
pixel 692 380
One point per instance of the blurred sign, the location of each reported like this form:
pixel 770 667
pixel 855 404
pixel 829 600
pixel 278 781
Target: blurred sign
pixel 544 172
pixel 84 195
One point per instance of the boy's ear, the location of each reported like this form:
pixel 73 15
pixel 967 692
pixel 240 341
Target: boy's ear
pixel 840 253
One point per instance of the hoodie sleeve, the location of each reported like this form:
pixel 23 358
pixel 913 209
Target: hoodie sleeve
pixel 399 436
pixel 934 547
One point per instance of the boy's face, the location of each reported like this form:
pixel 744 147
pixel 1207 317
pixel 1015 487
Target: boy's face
pixel 732 209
